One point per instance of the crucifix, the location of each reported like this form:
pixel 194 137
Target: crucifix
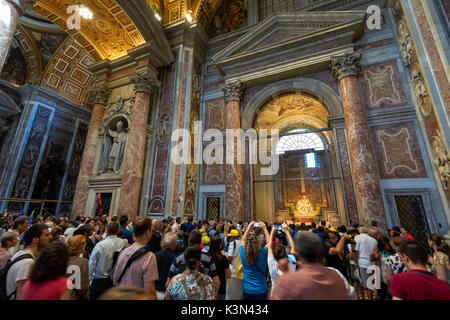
pixel 301 169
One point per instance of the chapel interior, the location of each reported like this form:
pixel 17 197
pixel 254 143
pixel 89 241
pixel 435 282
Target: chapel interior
pixel 91 92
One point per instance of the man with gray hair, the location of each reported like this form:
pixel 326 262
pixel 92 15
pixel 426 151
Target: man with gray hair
pixel 164 259
pixel 364 247
pixel 312 281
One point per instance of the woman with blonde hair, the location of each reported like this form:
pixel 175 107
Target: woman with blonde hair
pixel 78 267
pixel 254 262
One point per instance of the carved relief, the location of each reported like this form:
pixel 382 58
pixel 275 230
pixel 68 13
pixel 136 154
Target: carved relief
pixel 420 90
pixel 22 187
pixel 165 119
pixel 397 151
pixel 441 159
pixel 382 87
pixel 196 90
pixel 406 44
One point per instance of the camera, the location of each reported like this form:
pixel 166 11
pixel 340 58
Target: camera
pixel 257 224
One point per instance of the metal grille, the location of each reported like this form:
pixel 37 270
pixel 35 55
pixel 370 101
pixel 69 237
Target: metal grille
pixel 213 208
pixel 412 217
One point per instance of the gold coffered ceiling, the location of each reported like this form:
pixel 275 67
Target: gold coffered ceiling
pixel 109 35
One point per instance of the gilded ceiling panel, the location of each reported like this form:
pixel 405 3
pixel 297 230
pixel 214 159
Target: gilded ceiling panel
pixel 109 35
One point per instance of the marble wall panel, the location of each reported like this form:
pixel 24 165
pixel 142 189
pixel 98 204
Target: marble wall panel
pixel 398 152
pixel 215 114
pixel 382 86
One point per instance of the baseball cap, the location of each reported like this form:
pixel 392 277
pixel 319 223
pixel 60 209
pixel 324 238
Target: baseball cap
pixel 205 240
pixel 233 233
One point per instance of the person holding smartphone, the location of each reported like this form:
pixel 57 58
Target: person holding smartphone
pixel 278 260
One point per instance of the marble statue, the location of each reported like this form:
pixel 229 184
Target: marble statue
pixel 304 208
pixel 113 149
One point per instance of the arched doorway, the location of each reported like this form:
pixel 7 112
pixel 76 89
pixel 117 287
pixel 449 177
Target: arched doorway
pixel 305 187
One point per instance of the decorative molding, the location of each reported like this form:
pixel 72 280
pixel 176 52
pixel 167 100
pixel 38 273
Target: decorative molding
pixel 233 91
pixel 405 41
pixel 346 65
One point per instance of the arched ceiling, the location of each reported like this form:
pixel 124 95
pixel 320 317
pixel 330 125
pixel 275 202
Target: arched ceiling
pixel 109 35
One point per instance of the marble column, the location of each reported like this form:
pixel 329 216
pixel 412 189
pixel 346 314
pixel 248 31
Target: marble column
pixel 234 172
pixel 133 163
pixel 366 179
pixel 101 95
pixel 10 12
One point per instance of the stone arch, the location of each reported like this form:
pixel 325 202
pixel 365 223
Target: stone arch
pixel 305 86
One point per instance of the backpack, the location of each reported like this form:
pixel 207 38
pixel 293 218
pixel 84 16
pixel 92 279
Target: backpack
pixel 113 266
pixel 237 263
pixel 4 274
pixel 139 253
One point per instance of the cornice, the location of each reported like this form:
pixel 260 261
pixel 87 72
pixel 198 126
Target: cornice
pixel 239 52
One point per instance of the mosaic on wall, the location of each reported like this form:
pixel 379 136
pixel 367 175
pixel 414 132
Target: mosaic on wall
pixel 47 43
pixel 30 157
pixel 231 15
pixel 15 69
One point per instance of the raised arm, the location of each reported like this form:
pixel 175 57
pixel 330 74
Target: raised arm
pixel 272 232
pixel 250 226
pixel 289 236
pixel 266 235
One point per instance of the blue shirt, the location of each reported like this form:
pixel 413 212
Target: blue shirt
pixel 189 227
pixel 126 234
pixel 255 281
pixel 101 260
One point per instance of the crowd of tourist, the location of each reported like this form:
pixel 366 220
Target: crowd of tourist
pixel 114 258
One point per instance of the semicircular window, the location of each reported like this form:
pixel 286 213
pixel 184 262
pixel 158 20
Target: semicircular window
pixel 300 141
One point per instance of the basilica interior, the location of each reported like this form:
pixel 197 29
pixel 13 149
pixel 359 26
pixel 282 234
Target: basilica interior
pixel 91 92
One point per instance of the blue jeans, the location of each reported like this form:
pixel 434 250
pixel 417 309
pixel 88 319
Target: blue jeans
pixel 261 296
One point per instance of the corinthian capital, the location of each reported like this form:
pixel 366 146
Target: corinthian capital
pixel 145 81
pixel 233 91
pixel 346 65
pixel 101 93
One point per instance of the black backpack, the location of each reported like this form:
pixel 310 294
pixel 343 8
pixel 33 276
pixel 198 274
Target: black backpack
pixel 4 273
pixel 139 253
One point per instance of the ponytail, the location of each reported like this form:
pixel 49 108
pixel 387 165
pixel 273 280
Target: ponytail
pixel 441 245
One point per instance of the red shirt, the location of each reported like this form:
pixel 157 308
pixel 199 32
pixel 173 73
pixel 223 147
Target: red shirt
pixel 419 285
pixel 48 290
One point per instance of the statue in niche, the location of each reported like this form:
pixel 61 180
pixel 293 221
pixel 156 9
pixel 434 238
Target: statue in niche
pixel 304 208
pixel 441 160
pixel 113 149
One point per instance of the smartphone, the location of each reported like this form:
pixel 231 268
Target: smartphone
pixel 257 224
pixel 279 227
pixel 292 258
